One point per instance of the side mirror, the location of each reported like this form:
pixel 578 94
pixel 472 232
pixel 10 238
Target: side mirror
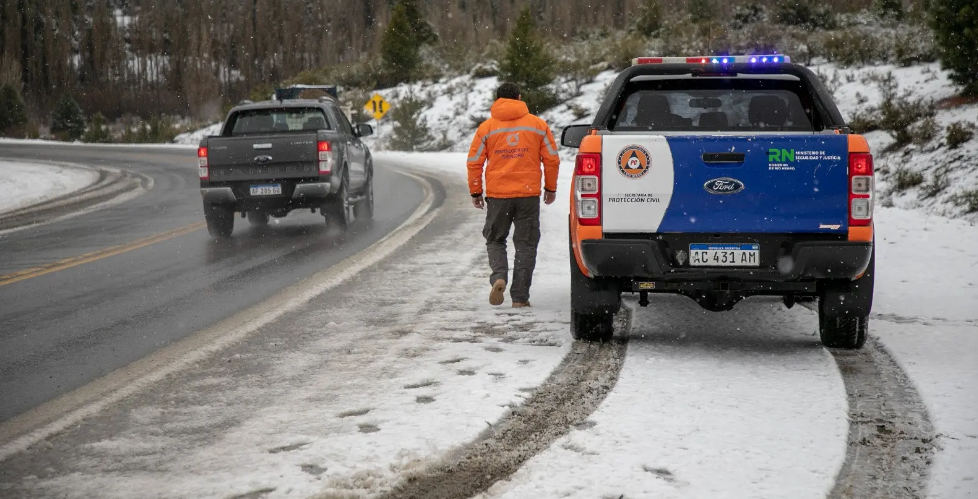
pixel 573 135
pixel 364 130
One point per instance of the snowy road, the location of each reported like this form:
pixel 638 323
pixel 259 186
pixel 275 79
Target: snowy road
pixel 402 375
pixel 23 183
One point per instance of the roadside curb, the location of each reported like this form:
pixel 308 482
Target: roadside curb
pixel 111 183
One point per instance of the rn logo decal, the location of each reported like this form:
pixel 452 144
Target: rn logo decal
pixel 723 185
pixel 633 161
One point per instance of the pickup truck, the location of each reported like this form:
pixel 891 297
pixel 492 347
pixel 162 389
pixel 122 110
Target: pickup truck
pixel 277 156
pixel 720 178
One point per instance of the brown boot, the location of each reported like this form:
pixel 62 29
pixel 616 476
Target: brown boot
pixel 498 292
pixel 521 304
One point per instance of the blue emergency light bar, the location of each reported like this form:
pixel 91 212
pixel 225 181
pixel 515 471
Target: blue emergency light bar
pixel 715 59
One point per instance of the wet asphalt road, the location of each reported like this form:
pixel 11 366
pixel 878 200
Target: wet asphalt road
pixel 61 330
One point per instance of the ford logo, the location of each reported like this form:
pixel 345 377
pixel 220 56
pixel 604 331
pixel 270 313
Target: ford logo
pixel 262 159
pixel 723 185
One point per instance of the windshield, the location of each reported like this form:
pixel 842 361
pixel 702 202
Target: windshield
pixel 714 105
pixel 284 120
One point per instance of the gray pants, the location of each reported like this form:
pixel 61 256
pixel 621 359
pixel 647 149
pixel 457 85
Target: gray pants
pixel 524 213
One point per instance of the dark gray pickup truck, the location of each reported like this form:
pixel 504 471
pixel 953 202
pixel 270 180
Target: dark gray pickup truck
pixel 277 156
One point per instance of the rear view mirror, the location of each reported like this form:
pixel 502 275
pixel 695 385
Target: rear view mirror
pixel 705 103
pixel 573 135
pixel 364 130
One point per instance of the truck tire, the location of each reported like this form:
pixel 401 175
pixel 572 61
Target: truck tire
pixel 338 211
pixel 258 218
pixel 364 209
pixel 594 304
pixel 220 220
pixel 847 330
pixel 592 327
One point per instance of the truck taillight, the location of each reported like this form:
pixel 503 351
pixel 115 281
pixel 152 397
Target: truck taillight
pixel 202 167
pixel 325 157
pixel 587 188
pixel 860 189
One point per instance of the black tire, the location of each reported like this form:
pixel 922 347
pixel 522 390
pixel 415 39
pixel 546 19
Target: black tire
pixel 338 212
pixel 592 327
pixel 364 209
pixel 258 218
pixel 847 333
pixel 220 220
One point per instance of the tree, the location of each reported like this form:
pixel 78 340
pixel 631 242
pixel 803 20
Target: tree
pixel 889 9
pixel 399 47
pixel 68 120
pixel 529 64
pixel 423 31
pixel 649 21
pixel 955 25
pixel 97 132
pixel 411 132
pixel 13 115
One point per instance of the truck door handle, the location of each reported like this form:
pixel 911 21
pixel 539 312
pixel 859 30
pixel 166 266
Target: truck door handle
pixel 723 157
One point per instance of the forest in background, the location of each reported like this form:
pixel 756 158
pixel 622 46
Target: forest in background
pixel 192 58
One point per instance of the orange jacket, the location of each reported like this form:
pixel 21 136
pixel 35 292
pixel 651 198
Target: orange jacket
pixel 515 142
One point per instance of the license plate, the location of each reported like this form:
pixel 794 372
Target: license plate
pixel 266 190
pixel 724 255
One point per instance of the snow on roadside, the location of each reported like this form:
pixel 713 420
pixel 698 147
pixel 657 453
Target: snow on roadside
pixel 24 184
pixel 925 314
pixel 194 138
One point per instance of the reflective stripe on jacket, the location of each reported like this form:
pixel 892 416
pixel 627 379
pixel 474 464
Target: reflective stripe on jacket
pixel 515 142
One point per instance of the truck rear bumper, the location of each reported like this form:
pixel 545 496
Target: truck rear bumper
pixel 293 193
pixel 805 261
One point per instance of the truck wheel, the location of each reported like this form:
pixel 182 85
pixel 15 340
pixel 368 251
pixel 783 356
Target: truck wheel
pixel 364 209
pixel 220 220
pixel 338 211
pixel 847 328
pixel 592 327
pixel 258 218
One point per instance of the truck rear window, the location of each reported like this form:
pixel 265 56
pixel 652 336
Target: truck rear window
pixel 284 120
pixel 714 104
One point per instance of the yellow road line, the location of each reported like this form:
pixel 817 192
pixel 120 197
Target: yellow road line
pixel 98 255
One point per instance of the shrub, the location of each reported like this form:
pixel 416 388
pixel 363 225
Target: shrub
pixel 810 14
pixel 913 45
pixel 958 133
pixel 621 50
pixel 68 120
pixel 13 115
pixel 853 47
pixel 899 111
pixel 955 25
pixel 411 132
pixel 701 10
pixel 529 64
pixel 922 133
pixel 156 130
pixel 97 131
pixel 864 121
pixel 889 9
pixel 938 184
pixel 905 178
pixel 967 199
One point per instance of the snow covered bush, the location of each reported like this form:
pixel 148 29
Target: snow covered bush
pixel 958 133
pixel 68 120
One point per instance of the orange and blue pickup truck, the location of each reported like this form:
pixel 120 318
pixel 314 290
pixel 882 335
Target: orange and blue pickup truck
pixel 721 178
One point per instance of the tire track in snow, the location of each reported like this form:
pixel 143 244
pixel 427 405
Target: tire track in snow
pixel 891 438
pixel 572 392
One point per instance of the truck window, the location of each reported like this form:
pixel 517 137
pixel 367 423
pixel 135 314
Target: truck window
pixel 277 120
pixel 715 104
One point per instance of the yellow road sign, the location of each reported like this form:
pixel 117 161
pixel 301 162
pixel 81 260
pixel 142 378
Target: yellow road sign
pixel 377 107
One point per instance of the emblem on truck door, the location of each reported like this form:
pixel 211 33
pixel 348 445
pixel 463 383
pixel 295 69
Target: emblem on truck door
pixel 633 161
pixel 723 185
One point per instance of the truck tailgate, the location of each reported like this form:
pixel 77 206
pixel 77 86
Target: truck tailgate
pixel 725 184
pixel 263 157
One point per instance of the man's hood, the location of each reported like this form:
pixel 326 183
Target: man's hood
pixel 508 109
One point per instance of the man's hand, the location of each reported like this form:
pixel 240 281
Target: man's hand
pixel 479 202
pixel 549 197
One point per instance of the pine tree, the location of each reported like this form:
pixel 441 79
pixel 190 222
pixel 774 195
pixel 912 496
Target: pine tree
pixel 423 31
pixel 529 64
pixel 13 115
pixel 411 132
pixel 889 9
pixel 399 47
pixel 97 132
pixel 649 22
pixel 68 120
pixel 955 25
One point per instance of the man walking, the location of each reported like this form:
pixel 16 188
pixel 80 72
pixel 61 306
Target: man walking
pixel 514 142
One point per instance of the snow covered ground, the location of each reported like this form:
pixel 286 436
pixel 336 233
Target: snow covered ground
pixel 23 184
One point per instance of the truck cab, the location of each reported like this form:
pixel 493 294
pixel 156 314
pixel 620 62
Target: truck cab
pixel 720 178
